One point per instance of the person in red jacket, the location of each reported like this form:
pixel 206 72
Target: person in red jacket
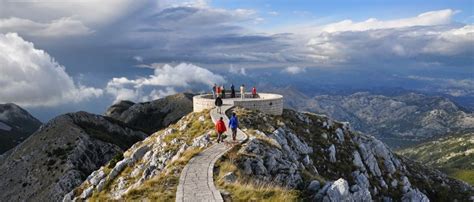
pixel 220 128
pixel 254 92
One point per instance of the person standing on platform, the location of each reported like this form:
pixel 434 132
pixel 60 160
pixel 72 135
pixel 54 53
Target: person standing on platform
pixel 223 92
pixel 242 91
pixel 218 91
pixel 254 92
pixel 232 91
pixel 214 89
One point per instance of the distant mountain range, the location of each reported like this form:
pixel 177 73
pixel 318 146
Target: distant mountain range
pixel 396 120
pixel 16 124
pixel 453 154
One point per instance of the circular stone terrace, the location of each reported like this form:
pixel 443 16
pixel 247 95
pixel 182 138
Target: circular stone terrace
pixel 268 103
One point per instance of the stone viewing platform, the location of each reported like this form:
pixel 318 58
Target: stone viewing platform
pixel 268 103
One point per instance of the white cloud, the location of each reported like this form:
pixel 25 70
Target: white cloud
pixel 425 37
pixel 30 77
pixel 138 58
pixel 165 76
pixel 61 27
pixel 235 70
pixel 294 70
pixel 431 18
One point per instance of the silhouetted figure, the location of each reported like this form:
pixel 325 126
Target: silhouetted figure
pixel 232 91
pixel 223 92
pixel 218 104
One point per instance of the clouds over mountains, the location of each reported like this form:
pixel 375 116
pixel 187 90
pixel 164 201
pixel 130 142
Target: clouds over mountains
pixel 113 33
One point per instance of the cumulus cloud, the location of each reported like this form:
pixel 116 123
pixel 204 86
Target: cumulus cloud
pixel 165 76
pixel 30 77
pixel 294 70
pixel 429 37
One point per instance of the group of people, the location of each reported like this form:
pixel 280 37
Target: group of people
pixel 220 92
pixel 221 129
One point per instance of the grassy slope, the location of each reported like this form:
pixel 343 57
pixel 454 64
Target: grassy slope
pixel 453 155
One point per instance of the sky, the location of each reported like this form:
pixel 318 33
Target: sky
pixel 58 57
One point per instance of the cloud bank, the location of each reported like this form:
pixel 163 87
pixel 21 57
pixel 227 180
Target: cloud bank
pixel 30 77
pixel 165 77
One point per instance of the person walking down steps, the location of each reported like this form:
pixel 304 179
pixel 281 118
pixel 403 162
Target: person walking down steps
pixel 233 125
pixel 220 128
pixel 218 104
pixel 242 91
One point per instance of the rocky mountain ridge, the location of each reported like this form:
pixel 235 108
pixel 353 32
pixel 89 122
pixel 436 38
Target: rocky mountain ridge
pixel 16 124
pixel 154 115
pixel 396 120
pixel 319 158
pixel 63 152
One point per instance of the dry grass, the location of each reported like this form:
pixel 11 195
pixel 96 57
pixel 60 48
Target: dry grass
pixel 163 187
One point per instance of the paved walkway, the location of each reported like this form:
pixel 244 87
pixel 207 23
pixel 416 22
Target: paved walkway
pixel 196 182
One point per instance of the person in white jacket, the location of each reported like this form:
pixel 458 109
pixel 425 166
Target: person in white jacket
pixel 242 91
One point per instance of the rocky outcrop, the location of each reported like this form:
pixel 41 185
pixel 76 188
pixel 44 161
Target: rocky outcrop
pixel 61 154
pixel 330 162
pixel 154 115
pixel 16 124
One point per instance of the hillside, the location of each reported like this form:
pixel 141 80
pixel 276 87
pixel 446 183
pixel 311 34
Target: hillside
pixel 154 115
pixel 16 124
pixel 296 156
pixel 59 156
pixel 396 120
pixel 453 154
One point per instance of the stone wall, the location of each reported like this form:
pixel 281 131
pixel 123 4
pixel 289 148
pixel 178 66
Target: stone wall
pixel 266 103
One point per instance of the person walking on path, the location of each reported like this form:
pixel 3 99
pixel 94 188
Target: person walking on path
pixel 218 91
pixel 242 91
pixel 232 91
pixel 218 104
pixel 220 128
pixel 223 92
pixel 214 88
pixel 233 125
pixel 254 92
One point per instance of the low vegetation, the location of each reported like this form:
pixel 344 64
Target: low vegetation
pixel 245 188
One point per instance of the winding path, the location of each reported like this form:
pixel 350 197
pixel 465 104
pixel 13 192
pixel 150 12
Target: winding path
pixel 196 182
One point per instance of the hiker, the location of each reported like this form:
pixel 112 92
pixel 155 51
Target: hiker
pixel 232 91
pixel 218 104
pixel 233 124
pixel 254 92
pixel 223 92
pixel 242 91
pixel 214 88
pixel 218 91
pixel 220 128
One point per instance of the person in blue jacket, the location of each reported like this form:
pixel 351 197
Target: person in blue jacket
pixel 233 125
